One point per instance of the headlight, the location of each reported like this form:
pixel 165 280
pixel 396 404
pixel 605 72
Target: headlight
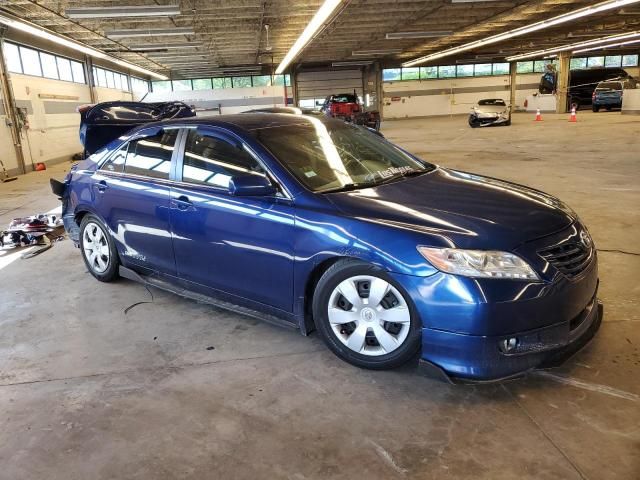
pixel 479 263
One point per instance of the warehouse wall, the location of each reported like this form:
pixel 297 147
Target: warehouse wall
pixel 228 100
pixel 420 98
pixel 51 111
pixel 7 151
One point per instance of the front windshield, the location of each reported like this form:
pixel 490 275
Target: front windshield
pixel 333 155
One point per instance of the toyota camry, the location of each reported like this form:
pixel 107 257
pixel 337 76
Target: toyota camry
pixel 319 225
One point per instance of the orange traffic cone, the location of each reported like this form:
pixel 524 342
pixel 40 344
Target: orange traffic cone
pixel 572 117
pixel 538 116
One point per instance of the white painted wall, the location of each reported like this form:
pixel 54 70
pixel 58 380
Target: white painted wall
pixel 230 100
pixel 53 121
pixel 419 98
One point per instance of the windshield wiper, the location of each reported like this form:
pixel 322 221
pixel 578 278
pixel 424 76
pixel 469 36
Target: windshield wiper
pixel 349 187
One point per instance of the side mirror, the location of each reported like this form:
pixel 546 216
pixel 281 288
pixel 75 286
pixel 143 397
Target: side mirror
pixel 251 186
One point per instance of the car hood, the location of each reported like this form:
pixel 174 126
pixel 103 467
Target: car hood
pixel 471 211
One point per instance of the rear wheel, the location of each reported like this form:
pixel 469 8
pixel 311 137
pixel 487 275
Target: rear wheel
pixel 98 250
pixel 596 108
pixel 364 317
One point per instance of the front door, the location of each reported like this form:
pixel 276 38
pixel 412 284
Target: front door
pixel 239 245
pixel 132 196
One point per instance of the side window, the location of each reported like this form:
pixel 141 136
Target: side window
pixel 151 156
pixel 212 161
pixel 116 162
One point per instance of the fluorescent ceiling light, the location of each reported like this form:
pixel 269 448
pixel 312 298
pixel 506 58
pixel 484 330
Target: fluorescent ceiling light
pixel 144 47
pixel 534 27
pixel 405 35
pixel 130 11
pixel 603 47
pixel 316 23
pixel 349 64
pixel 40 32
pixel 574 46
pixel 149 32
pixel 364 53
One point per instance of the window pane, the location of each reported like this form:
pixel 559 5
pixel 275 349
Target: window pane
pixel 116 162
pixel 151 156
pixel 117 81
pixel 287 80
pixel 278 80
pixel 110 81
pixel 77 69
pixel 49 66
pixel 262 81
pixel 612 61
pixel 410 73
pixel 482 69
pixel 390 74
pixel 595 62
pixel 464 71
pixel 524 67
pixel 30 61
pixel 578 63
pixel 629 60
pixel 428 72
pixel 64 69
pixel 125 82
pixel 241 82
pixel 447 71
pixel 181 85
pixel 164 86
pixel 12 57
pixel 212 161
pixel 102 77
pixel 500 68
pixel 202 84
pixel 221 82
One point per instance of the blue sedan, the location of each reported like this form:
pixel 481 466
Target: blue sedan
pixel 320 225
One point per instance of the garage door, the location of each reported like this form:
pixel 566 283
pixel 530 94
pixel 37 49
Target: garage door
pixel 313 87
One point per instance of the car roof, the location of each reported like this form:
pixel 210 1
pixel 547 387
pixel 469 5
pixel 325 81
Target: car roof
pixel 249 121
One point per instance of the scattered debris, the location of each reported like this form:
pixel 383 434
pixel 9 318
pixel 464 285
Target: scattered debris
pixel 41 229
pixel 4 177
pixel 211 348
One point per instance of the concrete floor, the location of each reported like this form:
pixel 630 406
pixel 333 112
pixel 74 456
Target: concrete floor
pixel 89 391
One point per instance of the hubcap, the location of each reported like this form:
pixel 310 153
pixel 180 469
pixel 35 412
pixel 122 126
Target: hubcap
pixel 95 247
pixel 369 315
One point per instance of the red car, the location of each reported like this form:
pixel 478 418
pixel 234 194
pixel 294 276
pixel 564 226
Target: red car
pixel 347 107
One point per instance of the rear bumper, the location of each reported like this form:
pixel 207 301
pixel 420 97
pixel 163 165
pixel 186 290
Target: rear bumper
pixel 459 357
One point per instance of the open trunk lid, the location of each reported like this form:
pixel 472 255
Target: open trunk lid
pixel 104 122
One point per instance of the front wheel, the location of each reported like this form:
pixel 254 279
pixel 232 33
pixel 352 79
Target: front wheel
pixel 365 317
pixel 98 250
pixel 595 108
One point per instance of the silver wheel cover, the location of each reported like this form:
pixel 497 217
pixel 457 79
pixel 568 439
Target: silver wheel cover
pixel 95 247
pixel 368 322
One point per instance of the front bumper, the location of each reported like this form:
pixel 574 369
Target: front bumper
pixel 459 357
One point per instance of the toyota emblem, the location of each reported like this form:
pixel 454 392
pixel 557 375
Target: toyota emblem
pixel 585 239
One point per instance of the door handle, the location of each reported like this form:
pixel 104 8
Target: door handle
pixel 102 186
pixel 183 202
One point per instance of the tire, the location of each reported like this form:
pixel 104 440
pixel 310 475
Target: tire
pixel 98 249
pixel 473 123
pixel 361 336
pixel 595 108
pixel 609 109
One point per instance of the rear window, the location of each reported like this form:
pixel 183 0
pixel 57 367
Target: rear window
pixel 609 86
pixel 344 99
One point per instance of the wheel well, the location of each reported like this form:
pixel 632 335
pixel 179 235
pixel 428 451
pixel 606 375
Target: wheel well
pixel 310 287
pixel 79 216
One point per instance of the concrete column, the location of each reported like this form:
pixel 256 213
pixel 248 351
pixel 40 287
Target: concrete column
pixel 88 64
pixel 563 82
pixel 6 91
pixel 513 84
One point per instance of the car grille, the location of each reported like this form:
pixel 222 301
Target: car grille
pixel 570 258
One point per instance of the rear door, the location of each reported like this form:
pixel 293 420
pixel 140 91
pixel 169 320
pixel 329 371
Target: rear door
pixel 132 190
pixel 239 245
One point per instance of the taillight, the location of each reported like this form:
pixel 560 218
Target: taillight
pixel 593 95
pixel 83 108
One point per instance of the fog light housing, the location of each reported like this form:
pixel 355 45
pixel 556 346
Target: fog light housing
pixel 508 345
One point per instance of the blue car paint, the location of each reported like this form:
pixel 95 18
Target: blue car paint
pixel 263 252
